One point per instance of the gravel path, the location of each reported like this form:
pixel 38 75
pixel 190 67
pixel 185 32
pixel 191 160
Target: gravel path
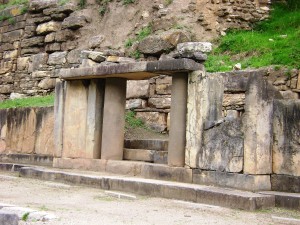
pixel 76 205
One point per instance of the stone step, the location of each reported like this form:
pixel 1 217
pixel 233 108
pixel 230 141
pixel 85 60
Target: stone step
pixel 284 199
pixel 150 144
pixel 225 197
pixel 160 157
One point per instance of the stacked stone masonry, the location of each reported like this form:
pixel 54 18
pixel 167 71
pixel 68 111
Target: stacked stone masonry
pixel 35 44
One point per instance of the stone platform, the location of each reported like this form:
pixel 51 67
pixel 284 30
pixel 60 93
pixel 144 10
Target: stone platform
pixel 225 197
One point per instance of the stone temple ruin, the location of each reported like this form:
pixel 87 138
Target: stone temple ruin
pixel 253 145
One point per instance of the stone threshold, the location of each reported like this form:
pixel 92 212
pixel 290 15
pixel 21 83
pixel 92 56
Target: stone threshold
pixel 224 197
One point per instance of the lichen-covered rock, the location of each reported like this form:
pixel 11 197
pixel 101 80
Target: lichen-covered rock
pixel 97 57
pixel 74 56
pixel 48 27
pixel 154 45
pixel 188 47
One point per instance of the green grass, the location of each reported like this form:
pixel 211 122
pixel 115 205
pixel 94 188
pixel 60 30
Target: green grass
pixel 28 102
pixel 271 42
pixel 13 2
pixel 141 34
pixel 132 122
pixel 126 2
pixel 25 216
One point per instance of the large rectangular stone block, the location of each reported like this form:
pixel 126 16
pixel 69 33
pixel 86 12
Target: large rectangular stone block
pixel 82 119
pixel 286 136
pixel 233 180
pixel 257 122
pixel 204 111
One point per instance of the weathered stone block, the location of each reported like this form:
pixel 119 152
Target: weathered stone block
pixel 6 47
pixel 5 66
pixel 22 63
pixel 285 183
pixel 64 35
pixel 74 56
pixel 232 100
pixel 138 155
pixel 53 47
pixel 233 180
pixel 37 61
pixel 34 41
pixel 154 45
pixel 289 94
pixel 40 5
pixel 194 47
pixel 135 104
pixel 286 134
pixel 57 58
pixel 163 85
pixel 50 38
pixel 257 123
pixel 95 41
pixel 41 74
pixel 6 88
pixel 30 51
pixel 205 95
pixel 155 120
pixel 174 37
pixel 74 22
pixel 10 54
pixel 160 103
pixel 47 83
pixel 97 57
pixel 222 148
pixel 48 27
pixel 137 89
pixel 12 36
pixel 8 218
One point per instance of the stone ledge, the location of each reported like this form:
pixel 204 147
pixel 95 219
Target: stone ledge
pixel 233 180
pixel 41 160
pixel 134 71
pixel 130 168
pixel 285 200
pixel 188 192
pixel 8 218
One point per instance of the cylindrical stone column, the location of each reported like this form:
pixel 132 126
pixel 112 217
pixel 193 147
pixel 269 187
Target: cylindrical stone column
pixel 113 119
pixel 177 138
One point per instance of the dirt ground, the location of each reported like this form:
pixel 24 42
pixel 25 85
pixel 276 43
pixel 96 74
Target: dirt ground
pixel 76 205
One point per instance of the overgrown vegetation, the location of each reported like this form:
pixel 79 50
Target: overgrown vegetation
pixel 28 102
pixel 271 42
pixel 13 2
pixel 126 2
pixel 168 2
pixel 25 216
pixel 142 34
pixel 82 3
pixel 131 121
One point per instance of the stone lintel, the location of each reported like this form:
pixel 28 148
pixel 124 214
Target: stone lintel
pixel 133 71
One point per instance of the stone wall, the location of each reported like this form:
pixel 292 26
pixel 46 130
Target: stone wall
pixel 37 40
pixel 27 131
pixel 151 99
pixel 34 45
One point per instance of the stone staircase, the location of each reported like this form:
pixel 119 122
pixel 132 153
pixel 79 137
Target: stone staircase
pixel 153 151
